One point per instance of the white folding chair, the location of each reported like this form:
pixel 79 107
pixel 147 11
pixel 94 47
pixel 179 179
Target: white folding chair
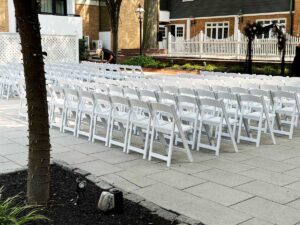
pixel 131 93
pixel 71 111
pixel 148 96
pixel 187 92
pixel 286 104
pixel 85 114
pixel 169 125
pixel 218 120
pixel 253 108
pixel 57 107
pixel 121 118
pixel 102 117
pixel 140 121
pixel 116 90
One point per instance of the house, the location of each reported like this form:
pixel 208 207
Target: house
pixel 57 17
pixel 220 19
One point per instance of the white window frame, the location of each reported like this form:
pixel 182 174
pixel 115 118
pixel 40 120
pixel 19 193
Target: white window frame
pixel 183 30
pixel 165 28
pixel 270 20
pixel 217 28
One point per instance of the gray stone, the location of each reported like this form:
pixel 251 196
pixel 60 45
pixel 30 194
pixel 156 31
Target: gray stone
pixel 83 173
pixel 92 178
pixel 104 185
pixel 134 198
pixel 149 205
pixel 59 162
pixel 182 219
pixel 166 214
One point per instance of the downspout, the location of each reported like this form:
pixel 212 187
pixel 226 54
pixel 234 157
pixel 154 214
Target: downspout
pixel 291 17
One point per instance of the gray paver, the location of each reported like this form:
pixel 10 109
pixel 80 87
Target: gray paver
pixel 270 177
pixel 269 211
pixel 294 172
pixel 295 204
pixel 120 182
pixel 98 167
pixel 270 191
pixel 176 179
pixel 115 156
pixel 256 221
pixel 218 193
pixel 294 186
pixel 223 177
pixel 73 157
pixel 136 179
pixel 227 165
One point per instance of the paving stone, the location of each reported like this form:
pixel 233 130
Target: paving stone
pixel 82 172
pixel 120 182
pixel 189 168
pixel 218 193
pixel 269 211
pixel 227 165
pixel 223 177
pixel 104 185
pixel 98 168
pixel 294 186
pixel 295 160
pixel 4 141
pixel 271 192
pixel 166 214
pixel 134 198
pixel 269 164
pixel 294 172
pixel 89 148
pixel 68 140
pixel 19 158
pixel 270 177
pixel 295 204
pixel 115 156
pixel 2 159
pixel 176 179
pixel 136 179
pixel 12 148
pixel 93 178
pixel 256 221
pixel 73 157
pixel 182 219
pixel 7 167
pixel 149 205
pixel 191 206
pixel 236 157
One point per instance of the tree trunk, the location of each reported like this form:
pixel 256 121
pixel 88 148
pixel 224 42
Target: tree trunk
pixel 39 140
pixel 151 23
pixel 115 35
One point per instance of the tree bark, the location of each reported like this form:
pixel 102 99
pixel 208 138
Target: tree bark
pixel 151 24
pixel 38 180
pixel 114 7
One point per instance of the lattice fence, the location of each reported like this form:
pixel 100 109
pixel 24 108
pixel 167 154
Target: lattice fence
pixel 58 48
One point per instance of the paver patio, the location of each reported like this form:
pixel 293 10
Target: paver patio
pixel 258 186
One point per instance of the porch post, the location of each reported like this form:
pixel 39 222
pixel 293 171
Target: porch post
pixel 201 43
pixel 238 44
pixel 169 43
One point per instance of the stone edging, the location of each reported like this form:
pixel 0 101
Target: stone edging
pixel 166 214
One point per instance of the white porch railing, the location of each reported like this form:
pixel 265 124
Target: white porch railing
pixel 64 48
pixel 201 46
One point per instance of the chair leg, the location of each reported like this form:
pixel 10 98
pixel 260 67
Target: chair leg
pixel 170 150
pixel 146 142
pixel 151 144
pixel 199 136
pixel 108 124
pixel 260 123
pixel 129 137
pixel 110 133
pixel 94 128
pixel 126 136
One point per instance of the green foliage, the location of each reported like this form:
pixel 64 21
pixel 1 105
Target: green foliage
pixel 210 67
pixel 145 61
pixel 83 50
pixel 12 213
pixel 176 67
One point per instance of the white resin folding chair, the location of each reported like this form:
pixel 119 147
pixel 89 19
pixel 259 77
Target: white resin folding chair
pixel 121 118
pixel 148 96
pixel 86 114
pixel 217 88
pixel 102 117
pixel 116 90
pixel 254 109
pixel 269 87
pixel 188 112
pixel 71 111
pixel 239 90
pixel 140 121
pixel 167 98
pixel 131 93
pixel 286 104
pixel 218 120
pixel 170 89
pixel 187 92
pixel 57 107
pixel 169 125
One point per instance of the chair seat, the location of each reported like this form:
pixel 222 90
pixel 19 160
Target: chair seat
pixel 217 120
pixel 190 116
pixel 167 127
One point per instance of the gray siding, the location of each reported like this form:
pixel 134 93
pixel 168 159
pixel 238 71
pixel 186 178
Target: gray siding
pixel 207 8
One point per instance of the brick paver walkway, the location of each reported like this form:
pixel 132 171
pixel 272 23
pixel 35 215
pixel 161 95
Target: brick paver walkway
pixel 257 186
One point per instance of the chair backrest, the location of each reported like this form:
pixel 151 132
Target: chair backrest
pixel 146 95
pixel 205 94
pixel 239 90
pixel 116 91
pixel 139 108
pixel 170 90
pixel 291 89
pixel 187 91
pixel 218 88
pixel 269 87
pixel 131 93
pixel 167 98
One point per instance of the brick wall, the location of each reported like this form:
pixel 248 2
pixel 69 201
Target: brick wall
pixel 297 18
pixel 129 34
pixel 3 16
pixel 90 20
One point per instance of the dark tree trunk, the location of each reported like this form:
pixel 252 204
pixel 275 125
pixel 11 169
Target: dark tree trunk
pixel 151 23
pixel 114 7
pixel 39 140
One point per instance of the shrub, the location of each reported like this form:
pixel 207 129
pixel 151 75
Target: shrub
pixel 83 52
pixel 145 61
pixel 210 67
pixel 13 213
pixel 176 67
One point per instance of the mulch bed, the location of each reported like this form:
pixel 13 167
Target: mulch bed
pixel 61 209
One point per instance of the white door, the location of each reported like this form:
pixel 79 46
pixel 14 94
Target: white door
pixel 179 38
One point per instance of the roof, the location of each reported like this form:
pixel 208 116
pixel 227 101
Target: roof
pixel 209 8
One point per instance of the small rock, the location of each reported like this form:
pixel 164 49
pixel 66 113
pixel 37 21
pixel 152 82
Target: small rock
pixel 166 214
pixel 104 185
pixel 134 198
pixel 149 205
pixel 106 201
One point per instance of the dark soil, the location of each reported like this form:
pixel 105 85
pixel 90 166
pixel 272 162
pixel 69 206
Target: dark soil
pixel 61 209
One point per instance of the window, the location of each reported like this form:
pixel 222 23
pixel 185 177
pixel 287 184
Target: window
pixel 269 34
pixel 219 30
pixel 162 30
pixel 179 32
pixel 56 7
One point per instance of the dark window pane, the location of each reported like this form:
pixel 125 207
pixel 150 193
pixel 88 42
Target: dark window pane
pixel 226 33
pixel 214 33
pixel 220 33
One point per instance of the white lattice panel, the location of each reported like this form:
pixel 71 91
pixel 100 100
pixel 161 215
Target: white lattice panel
pixel 58 48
